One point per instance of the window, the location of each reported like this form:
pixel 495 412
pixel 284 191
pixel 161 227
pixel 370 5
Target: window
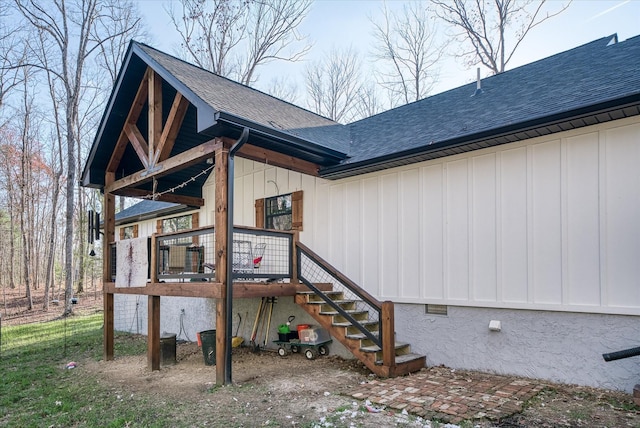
pixel 282 212
pixel 277 212
pixel 176 224
pixel 128 232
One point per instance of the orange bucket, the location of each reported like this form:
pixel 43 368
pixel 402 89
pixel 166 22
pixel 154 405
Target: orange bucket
pixel 301 327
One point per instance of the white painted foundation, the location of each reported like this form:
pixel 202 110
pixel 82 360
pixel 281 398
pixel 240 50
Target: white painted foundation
pixel 556 346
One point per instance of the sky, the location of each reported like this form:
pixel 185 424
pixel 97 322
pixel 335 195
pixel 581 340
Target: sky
pixel 348 23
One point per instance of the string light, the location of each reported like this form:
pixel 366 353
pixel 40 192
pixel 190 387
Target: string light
pixel 155 195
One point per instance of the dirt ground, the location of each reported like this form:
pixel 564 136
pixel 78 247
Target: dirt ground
pixel 269 390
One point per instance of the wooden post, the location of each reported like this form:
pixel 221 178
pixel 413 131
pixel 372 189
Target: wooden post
pixel 294 258
pixel 153 338
pixel 109 214
pixel 153 269
pixel 221 220
pixel 388 336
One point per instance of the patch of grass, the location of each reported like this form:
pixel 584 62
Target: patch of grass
pixel 36 389
pixel 626 405
pixel 579 414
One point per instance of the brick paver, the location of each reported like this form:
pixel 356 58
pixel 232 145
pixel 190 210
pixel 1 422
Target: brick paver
pixel 451 395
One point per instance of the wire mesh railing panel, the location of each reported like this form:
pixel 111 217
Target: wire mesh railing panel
pixel 261 254
pixel 353 305
pixel 186 255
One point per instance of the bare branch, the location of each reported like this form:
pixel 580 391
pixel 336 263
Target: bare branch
pixel 234 39
pixel 407 44
pixel 333 85
pixel 488 26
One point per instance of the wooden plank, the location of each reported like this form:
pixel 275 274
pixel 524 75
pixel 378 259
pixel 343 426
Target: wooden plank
pixel 137 141
pixel 153 329
pixel 191 201
pixel 134 113
pixel 388 335
pixel 155 113
pixel 213 290
pixel 171 128
pixel 180 161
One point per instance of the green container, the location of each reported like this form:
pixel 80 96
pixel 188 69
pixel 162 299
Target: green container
pixel 208 338
pixel 283 328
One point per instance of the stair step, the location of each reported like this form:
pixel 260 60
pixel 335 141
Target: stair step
pixel 322 302
pixel 376 348
pixel 313 293
pixel 360 336
pixel 348 324
pixel 401 359
pixel 349 311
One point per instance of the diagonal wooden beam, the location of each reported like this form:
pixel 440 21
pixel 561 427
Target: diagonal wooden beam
pixel 175 163
pixel 171 128
pixel 134 113
pixel 138 143
pixel 167 197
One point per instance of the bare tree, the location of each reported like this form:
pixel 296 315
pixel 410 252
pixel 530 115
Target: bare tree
pixel 234 39
pixel 407 45
pixel 493 29
pixel 284 88
pixel 368 102
pixel 333 84
pixel 72 31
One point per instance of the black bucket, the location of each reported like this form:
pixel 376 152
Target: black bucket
pixel 168 348
pixel 208 339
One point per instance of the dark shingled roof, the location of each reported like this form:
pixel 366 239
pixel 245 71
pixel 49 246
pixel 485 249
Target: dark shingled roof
pixel 146 209
pixel 543 91
pixel 593 83
pixel 244 102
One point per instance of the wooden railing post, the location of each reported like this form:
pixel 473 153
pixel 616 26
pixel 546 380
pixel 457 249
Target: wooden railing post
pixel 153 269
pixel 294 257
pixel 388 336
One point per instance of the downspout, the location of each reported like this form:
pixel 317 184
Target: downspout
pixel 229 285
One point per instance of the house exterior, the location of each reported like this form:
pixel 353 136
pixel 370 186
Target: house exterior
pixel 500 218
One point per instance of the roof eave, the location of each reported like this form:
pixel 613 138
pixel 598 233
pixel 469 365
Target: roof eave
pixel 315 150
pixel 383 162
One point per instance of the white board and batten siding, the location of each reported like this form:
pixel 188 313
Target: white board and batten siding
pixel 551 223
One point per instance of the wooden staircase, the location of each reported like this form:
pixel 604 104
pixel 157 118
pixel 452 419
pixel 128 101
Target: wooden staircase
pixel 346 312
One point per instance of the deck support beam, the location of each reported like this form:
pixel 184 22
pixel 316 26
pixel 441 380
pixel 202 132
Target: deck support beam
pixel 221 219
pixel 109 206
pixel 153 338
pixel 388 336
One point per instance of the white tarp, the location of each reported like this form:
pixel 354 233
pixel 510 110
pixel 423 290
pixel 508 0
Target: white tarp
pixel 131 262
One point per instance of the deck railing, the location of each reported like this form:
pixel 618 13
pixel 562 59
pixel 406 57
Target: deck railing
pixel 258 255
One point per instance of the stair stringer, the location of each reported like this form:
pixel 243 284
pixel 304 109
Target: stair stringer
pixel 354 345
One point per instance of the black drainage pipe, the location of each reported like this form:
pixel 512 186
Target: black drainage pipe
pixel 229 327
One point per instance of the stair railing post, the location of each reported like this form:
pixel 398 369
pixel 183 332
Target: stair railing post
pixel 388 336
pixel 294 257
